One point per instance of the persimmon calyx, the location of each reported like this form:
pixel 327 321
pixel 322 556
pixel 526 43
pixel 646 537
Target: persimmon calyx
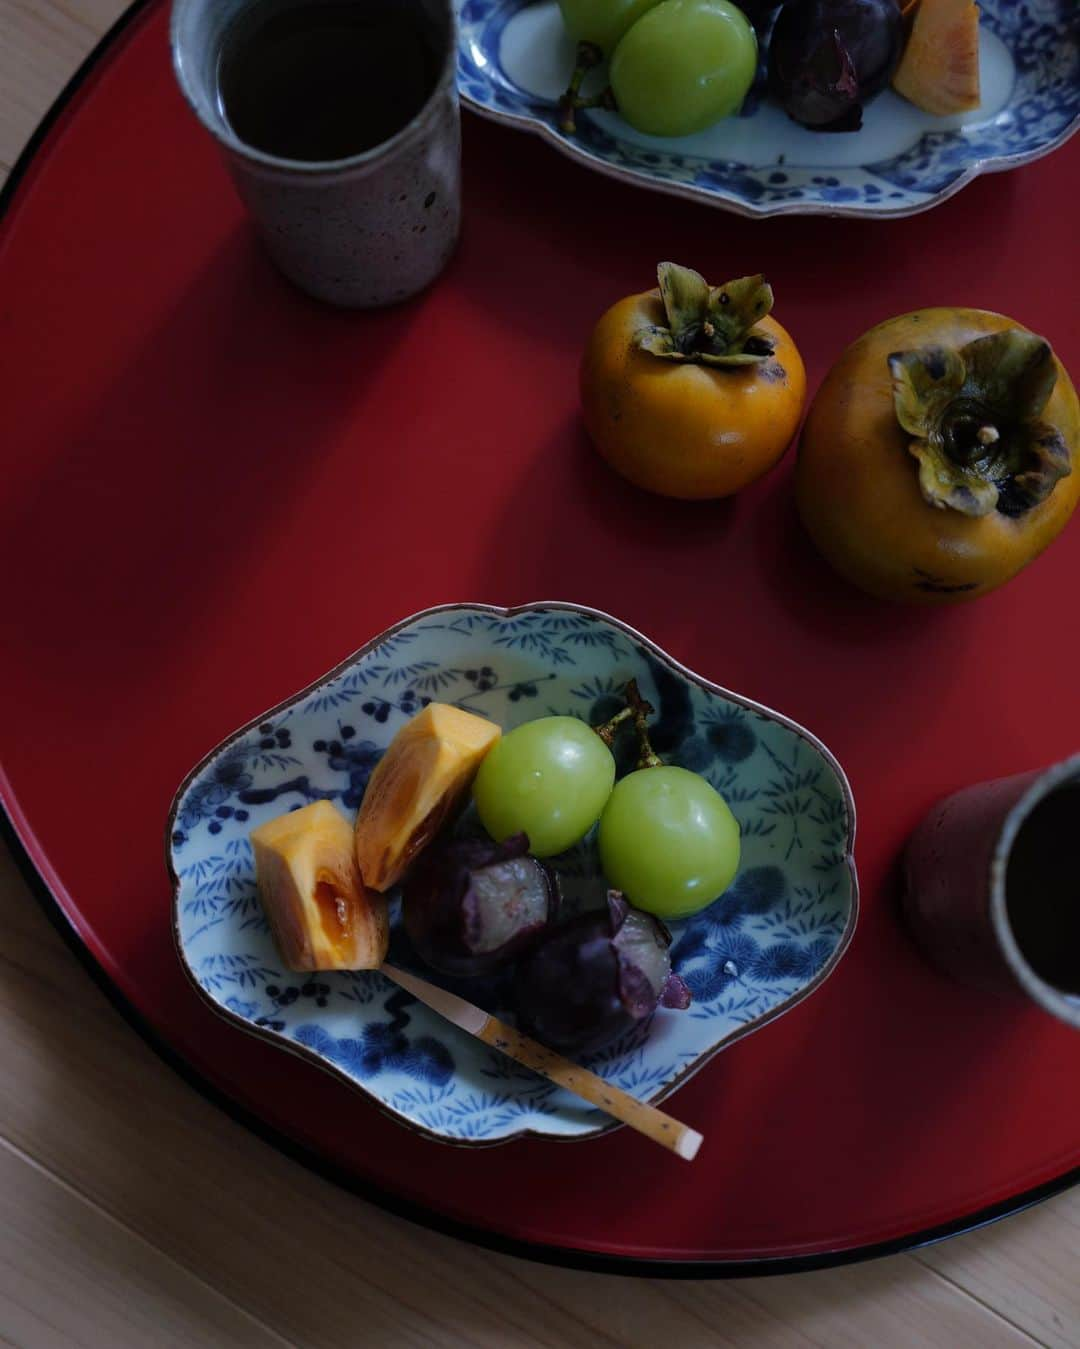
pixel 975 417
pixel 709 325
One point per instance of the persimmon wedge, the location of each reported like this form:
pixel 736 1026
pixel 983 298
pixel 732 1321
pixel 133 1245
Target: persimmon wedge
pixel 321 914
pixel 416 787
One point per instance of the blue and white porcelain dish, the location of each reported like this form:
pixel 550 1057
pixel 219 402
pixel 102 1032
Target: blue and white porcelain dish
pixel 514 59
pixel 762 947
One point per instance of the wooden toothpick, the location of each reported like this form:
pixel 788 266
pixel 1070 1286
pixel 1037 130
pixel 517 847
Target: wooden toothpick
pixel 646 1119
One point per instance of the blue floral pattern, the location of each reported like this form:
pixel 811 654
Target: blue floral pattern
pixel 783 923
pixel 1041 36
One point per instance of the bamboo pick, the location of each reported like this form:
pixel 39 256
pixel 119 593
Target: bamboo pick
pixel 646 1119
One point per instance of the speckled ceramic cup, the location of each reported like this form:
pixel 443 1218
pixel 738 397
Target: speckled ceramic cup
pixel 364 231
pixel 988 874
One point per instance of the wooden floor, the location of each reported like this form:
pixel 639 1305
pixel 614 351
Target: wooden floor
pixel 179 1228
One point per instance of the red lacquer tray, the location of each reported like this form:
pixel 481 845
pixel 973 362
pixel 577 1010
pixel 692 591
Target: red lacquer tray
pixel 214 489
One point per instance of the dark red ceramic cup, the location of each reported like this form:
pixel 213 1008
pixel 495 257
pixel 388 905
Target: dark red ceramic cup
pixel 992 887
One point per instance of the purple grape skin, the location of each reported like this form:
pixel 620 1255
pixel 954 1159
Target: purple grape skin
pixel 581 987
pixel 829 57
pixel 472 906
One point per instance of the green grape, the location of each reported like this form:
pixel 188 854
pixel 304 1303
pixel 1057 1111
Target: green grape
pixel 549 779
pixel 602 22
pixel 668 841
pixel 683 66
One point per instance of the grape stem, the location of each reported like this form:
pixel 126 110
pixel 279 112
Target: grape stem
pixel 637 710
pixel 589 55
pixel 607 731
pixel 640 710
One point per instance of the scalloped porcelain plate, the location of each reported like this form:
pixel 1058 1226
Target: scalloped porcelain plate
pixel 515 58
pixel 758 950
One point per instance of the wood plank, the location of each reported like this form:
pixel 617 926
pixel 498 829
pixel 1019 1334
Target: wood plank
pixel 96 16
pixel 1028 1269
pixel 884 1303
pixel 69 1063
pixel 70 1275
pixel 896 1306
pixel 40 48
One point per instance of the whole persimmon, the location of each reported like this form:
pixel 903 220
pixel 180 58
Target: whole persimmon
pixel 938 455
pixel 692 391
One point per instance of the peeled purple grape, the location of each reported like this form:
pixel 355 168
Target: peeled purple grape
pixel 829 57
pixel 472 906
pixel 596 976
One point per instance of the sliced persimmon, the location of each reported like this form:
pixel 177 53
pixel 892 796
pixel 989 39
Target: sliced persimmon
pixel 416 787
pixel 321 914
pixel 939 71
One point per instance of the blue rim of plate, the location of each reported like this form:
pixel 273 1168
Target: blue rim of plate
pixel 16 834
pixel 768 191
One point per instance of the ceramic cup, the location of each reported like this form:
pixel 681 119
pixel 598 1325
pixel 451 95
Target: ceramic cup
pixel 992 893
pixel 368 230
